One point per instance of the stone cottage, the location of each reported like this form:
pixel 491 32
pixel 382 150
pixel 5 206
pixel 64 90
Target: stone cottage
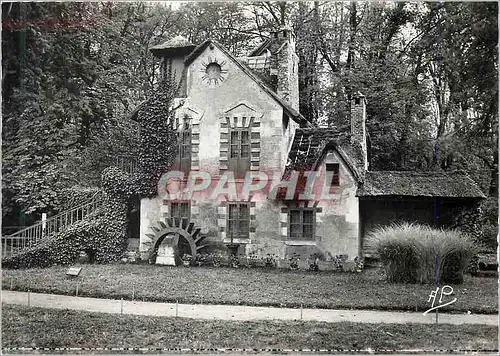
pixel 240 115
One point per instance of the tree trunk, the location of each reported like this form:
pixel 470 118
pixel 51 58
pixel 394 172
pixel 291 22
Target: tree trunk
pixel 352 35
pixel 352 38
pixel 493 191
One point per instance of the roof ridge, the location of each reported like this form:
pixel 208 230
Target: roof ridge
pixel 288 109
pixel 433 171
pixel 259 48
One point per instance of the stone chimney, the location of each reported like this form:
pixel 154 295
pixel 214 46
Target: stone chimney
pixel 173 52
pixel 285 66
pixel 358 129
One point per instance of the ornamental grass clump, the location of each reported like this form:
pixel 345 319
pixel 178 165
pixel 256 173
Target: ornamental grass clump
pixel 412 253
pixel 397 255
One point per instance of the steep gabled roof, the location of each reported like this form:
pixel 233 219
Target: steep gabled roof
pixel 177 44
pixel 260 49
pixel 310 146
pixel 419 184
pixel 308 150
pixel 296 116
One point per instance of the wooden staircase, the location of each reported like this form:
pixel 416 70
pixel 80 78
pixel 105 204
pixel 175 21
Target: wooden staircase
pixel 37 233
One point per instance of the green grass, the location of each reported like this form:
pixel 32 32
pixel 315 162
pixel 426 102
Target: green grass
pixel 251 287
pixel 39 327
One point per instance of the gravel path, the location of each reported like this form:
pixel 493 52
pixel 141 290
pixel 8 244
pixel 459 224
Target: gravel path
pixel 237 312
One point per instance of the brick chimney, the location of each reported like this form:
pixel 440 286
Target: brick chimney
pixel 285 66
pixel 358 129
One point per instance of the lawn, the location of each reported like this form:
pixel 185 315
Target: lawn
pixel 38 327
pixel 251 287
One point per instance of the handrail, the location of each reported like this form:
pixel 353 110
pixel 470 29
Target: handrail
pixel 55 217
pixel 127 163
pixel 37 232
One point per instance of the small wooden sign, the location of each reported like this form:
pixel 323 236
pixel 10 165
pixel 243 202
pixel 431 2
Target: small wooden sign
pixel 73 271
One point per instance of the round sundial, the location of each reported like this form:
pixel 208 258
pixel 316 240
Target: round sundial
pixel 213 71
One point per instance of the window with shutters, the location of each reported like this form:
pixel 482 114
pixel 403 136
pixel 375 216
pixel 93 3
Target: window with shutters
pixel 301 222
pixel 180 210
pixel 184 152
pixel 238 221
pixel 239 151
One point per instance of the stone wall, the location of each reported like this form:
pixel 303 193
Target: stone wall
pixel 152 211
pixel 289 128
pixel 358 130
pixel 337 220
pixel 210 107
pixel 237 101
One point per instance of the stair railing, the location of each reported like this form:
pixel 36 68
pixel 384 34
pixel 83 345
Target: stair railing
pixel 34 234
pixel 126 163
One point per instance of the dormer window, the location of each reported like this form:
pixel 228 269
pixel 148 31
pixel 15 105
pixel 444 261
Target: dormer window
pixel 332 170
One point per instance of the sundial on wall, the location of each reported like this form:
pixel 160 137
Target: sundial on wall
pixel 213 71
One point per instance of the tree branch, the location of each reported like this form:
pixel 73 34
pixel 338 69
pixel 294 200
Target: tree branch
pixel 250 32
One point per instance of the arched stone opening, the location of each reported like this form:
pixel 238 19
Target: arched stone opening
pixel 180 239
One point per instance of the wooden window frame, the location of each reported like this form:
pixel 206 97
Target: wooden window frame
pixel 184 148
pixel 335 181
pixel 238 163
pixel 179 203
pixel 301 223
pixel 229 232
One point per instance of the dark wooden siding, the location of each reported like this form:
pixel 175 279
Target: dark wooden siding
pixel 438 212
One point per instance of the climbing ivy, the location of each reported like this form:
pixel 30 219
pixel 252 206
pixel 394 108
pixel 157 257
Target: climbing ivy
pixel 158 142
pixel 102 234
pixel 69 198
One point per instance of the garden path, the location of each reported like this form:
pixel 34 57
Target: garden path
pixel 236 312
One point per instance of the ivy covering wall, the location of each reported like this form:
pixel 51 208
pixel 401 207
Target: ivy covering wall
pixel 158 142
pixel 102 235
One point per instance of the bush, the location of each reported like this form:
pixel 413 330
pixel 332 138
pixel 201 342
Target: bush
pixel 93 235
pixel 101 234
pixel 489 224
pixel 412 253
pixel 69 198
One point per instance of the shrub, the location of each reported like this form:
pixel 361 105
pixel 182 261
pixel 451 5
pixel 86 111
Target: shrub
pixel 359 264
pixel 412 253
pixel 313 261
pixel 294 261
pixel 488 223
pixel 101 234
pixel 396 253
pixel 74 196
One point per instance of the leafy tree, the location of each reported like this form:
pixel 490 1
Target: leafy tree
pixel 72 73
